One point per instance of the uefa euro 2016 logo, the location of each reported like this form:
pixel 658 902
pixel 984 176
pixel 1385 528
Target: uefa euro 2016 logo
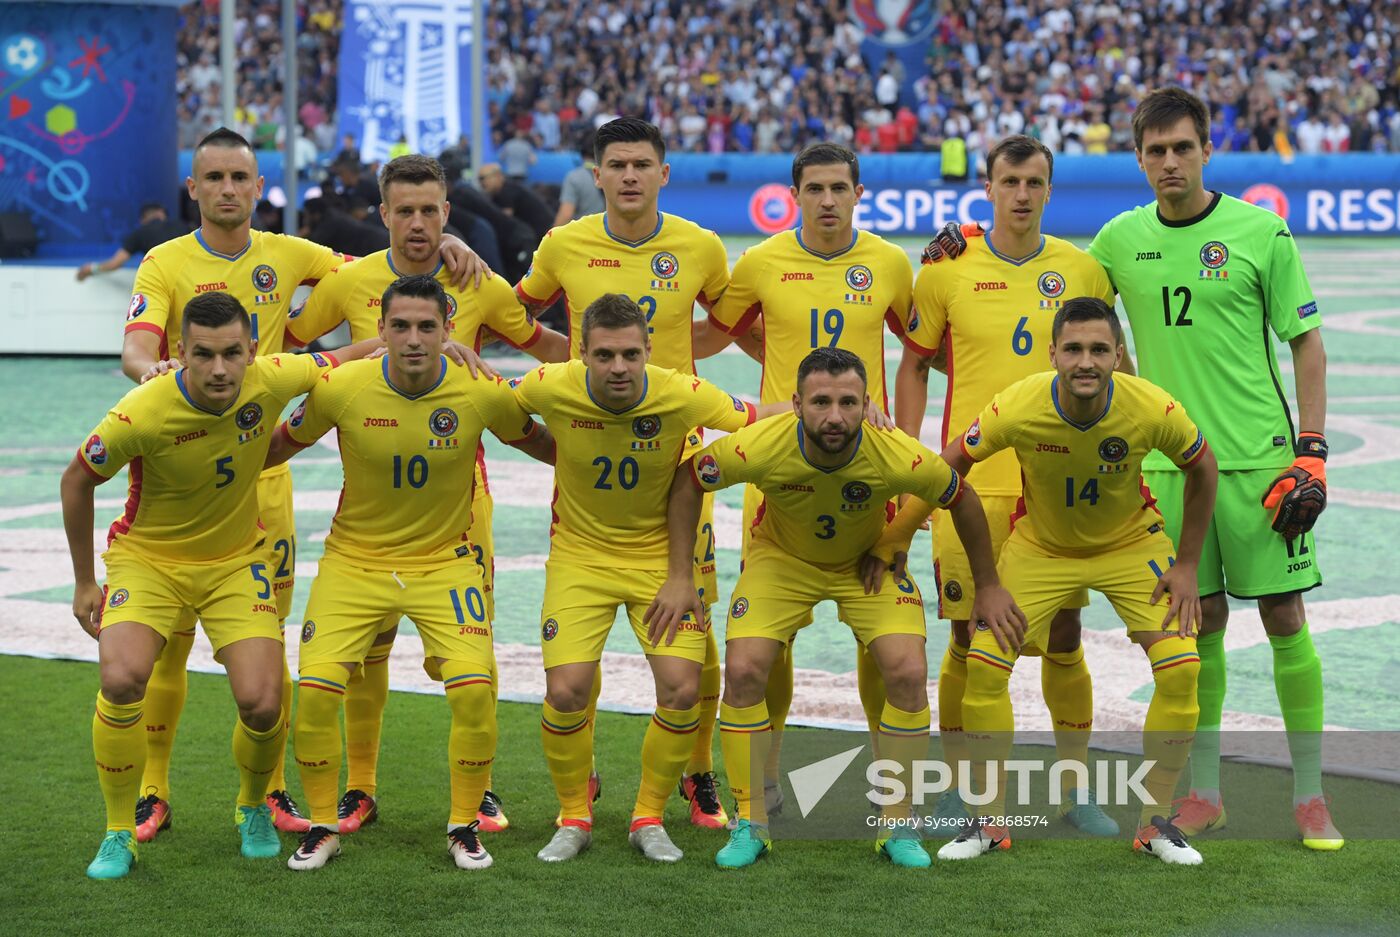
pixel 95 450
pixel 138 306
pixel 1214 255
pixel 443 422
pixel 895 22
pixel 264 278
pixel 249 415
pixel 974 434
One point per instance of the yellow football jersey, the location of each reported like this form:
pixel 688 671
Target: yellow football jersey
pixel 193 473
pixel 996 315
pixel 262 276
pixel 406 503
pixel 1083 488
pixel 809 300
pixel 353 293
pixel 666 273
pixel 828 517
pixel 613 471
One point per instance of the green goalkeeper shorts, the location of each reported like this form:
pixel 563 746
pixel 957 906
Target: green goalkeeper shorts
pixel 1242 554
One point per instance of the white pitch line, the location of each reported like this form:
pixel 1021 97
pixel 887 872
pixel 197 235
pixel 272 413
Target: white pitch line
pixel 1364 322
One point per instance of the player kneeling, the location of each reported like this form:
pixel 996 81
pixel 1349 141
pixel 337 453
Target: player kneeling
pixel 408 427
pixel 825 483
pixel 1080 434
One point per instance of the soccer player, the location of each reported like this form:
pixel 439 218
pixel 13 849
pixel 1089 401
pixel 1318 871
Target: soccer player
pixel 408 427
pixel 261 270
pixel 1087 522
pixel 822 285
pixel 189 539
pixel 992 311
pixel 665 264
pixel 619 425
pixel 1204 279
pixel 414 208
pixel 825 483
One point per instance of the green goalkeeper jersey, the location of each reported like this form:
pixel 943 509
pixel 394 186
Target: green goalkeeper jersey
pixel 1202 296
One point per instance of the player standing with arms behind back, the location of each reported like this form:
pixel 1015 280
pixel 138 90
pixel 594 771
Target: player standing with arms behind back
pixel 1204 279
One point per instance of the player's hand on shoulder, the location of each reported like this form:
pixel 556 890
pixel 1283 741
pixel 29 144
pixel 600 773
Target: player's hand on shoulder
pixel 1178 583
pixel 674 600
pixel 874 566
pixel 877 417
pixel 467 357
pixel 159 368
pixel 87 607
pixel 950 242
pixel 463 264
pixel 994 609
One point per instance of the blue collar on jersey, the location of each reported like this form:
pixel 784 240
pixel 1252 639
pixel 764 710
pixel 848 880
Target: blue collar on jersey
pixel 855 236
pixel 199 236
pixel 1015 261
pixel 802 447
pixel 608 231
pixel 441 375
pixel 1055 396
pixel 603 406
pixel 180 383
pixel 389 258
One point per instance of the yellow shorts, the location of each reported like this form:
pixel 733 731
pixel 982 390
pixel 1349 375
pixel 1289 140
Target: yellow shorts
pixel 580 603
pixel 348 606
pixel 233 599
pixel 951 570
pixel 776 592
pixel 280 533
pixel 1042 584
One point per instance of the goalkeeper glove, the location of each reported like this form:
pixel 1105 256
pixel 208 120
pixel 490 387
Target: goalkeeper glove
pixel 1299 495
pixel 950 242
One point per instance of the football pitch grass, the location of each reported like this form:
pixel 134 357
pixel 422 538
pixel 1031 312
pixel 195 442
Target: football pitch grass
pixel 394 877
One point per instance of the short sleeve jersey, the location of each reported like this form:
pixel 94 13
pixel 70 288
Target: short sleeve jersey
pixel 666 273
pixel 808 300
pixel 262 276
pixel 1084 492
pixel 1203 296
pixel 193 473
pixel 353 293
pixel 613 470
pixel 406 503
pixel 996 315
pixel 827 517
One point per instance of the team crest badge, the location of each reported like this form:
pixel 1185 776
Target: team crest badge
pixel 249 415
pixel 138 306
pixel 1051 284
pixel 1113 449
pixel 443 422
pixel 95 450
pixel 974 434
pixel 856 492
pixel 859 278
pixel 1214 255
pixel 646 427
pixel 708 470
pixel 952 590
pixel 308 631
pixel 549 629
pixel 740 606
pixel 118 598
pixel 451 307
pixel 264 278
pixel 298 415
pixel 665 265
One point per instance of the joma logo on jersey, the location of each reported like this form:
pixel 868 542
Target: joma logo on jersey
pixel 189 437
pixel 1051 447
pixel 585 424
pixel 787 277
pixel 982 285
pixel 210 287
pixel 604 262
pixel 261 607
pixel 1148 255
pixel 373 421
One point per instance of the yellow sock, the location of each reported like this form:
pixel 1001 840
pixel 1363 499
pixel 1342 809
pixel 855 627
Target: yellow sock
pixel 669 740
pixel 165 700
pixel 368 692
pixel 256 753
pixel 316 742
pixel 568 750
pixel 495 696
pixel 1171 720
pixel 1069 695
pixel 702 759
pixel 277 781
pixel 471 747
pixel 744 738
pixel 952 684
pixel 904 739
pixel 988 720
pixel 120 752
pixel 592 710
pixel 872 693
pixel 778 699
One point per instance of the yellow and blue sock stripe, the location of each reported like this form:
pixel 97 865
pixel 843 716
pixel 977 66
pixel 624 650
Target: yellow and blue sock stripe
pixel 1176 660
pixel 466 679
pixel 564 729
pixel 321 683
pixel 679 728
pixel 987 657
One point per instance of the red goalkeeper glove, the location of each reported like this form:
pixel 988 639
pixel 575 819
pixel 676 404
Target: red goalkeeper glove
pixel 1299 495
pixel 950 241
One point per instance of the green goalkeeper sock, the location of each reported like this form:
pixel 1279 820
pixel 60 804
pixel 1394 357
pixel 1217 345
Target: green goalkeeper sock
pixel 1210 696
pixel 1298 682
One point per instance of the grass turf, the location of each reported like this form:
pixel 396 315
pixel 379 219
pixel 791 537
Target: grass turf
pixel 395 877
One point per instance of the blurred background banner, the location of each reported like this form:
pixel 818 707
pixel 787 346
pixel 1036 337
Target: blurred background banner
pixel 87 116
pixel 406 74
